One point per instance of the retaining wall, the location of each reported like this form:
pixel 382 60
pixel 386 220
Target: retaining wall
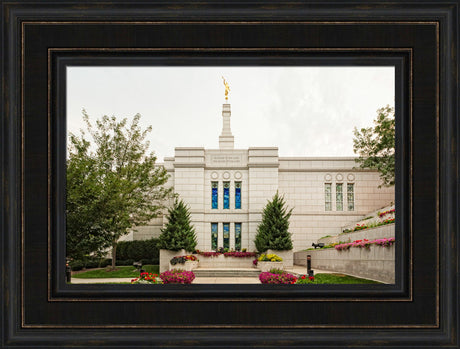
pixel 377 262
pixel 286 255
pixel 166 256
pixel 221 261
pixel 383 231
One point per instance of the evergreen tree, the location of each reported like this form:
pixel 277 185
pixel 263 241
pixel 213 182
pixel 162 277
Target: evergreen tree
pixel 272 232
pixel 178 233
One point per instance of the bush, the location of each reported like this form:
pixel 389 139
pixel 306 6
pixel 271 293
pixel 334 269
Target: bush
pixel 76 265
pixel 150 261
pixel 146 278
pixel 177 276
pixel 270 258
pixel 271 278
pixel 304 279
pixel 90 262
pixel 138 250
pixel 182 259
pixel 105 262
pixel 123 262
pixel 276 271
pixel 273 231
pixel 178 233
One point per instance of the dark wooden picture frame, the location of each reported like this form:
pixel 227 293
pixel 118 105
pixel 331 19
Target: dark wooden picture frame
pixel 41 38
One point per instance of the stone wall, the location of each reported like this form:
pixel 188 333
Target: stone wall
pixel 166 256
pixel 301 180
pixel 383 231
pixel 377 262
pixel 287 256
pixel 221 261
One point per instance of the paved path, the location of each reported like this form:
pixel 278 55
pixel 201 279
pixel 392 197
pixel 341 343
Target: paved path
pixel 297 269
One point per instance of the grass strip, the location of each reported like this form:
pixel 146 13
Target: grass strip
pixel 341 279
pixel 119 272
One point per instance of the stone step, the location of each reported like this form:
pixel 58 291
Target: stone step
pixel 226 272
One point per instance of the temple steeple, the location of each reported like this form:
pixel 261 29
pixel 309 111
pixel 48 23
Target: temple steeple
pixel 226 139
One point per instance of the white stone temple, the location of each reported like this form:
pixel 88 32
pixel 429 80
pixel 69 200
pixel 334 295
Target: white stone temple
pixel 227 189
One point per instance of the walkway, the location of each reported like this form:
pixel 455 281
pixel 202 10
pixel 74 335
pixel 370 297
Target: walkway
pixel 296 270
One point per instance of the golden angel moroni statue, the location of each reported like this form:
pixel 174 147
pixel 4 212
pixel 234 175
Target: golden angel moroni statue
pixel 227 88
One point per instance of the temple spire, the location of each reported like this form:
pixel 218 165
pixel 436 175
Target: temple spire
pixel 226 139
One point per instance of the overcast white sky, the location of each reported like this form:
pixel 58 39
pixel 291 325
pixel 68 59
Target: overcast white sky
pixel 305 111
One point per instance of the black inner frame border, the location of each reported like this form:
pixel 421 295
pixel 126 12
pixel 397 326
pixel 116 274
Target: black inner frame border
pixel 401 59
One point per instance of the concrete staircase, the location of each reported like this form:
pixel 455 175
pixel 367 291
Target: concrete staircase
pixel 226 272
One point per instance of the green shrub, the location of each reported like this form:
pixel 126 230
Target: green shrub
pixel 125 261
pixel 273 231
pixel 179 232
pixel 77 265
pixel 270 258
pixel 150 261
pixel 138 249
pixel 276 271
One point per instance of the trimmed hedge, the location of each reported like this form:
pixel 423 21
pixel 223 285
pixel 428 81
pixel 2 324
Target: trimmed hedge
pixel 138 250
pixel 79 265
pixel 91 263
pixel 128 252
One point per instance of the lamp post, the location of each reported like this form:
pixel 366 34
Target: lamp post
pixel 68 273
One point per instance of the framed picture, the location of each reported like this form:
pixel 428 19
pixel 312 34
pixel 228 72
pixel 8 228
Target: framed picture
pixel 52 48
pixel 226 177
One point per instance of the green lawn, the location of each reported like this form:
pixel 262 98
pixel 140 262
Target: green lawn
pixel 120 272
pixel 340 279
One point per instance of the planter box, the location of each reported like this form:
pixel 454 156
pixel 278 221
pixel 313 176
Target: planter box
pixel 166 256
pixel 267 266
pixel 221 261
pixel 286 255
pixel 187 266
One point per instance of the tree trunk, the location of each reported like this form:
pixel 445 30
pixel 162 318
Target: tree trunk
pixel 114 254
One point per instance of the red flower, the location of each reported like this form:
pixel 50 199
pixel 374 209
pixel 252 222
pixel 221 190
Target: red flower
pixel 311 278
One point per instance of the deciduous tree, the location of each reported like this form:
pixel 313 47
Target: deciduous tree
pixel 113 184
pixel 376 145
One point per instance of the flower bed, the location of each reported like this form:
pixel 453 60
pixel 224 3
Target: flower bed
pixel 304 279
pixel 384 213
pixel 182 259
pixel 187 263
pixel 269 258
pixel 365 244
pixel 226 259
pixel 370 225
pixel 177 276
pixel 146 278
pixel 227 254
pixel 277 278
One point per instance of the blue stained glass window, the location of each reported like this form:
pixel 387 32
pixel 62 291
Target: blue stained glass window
pixel 226 195
pixel 238 236
pixel 214 186
pixel 226 235
pixel 213 236
pixel 237 195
